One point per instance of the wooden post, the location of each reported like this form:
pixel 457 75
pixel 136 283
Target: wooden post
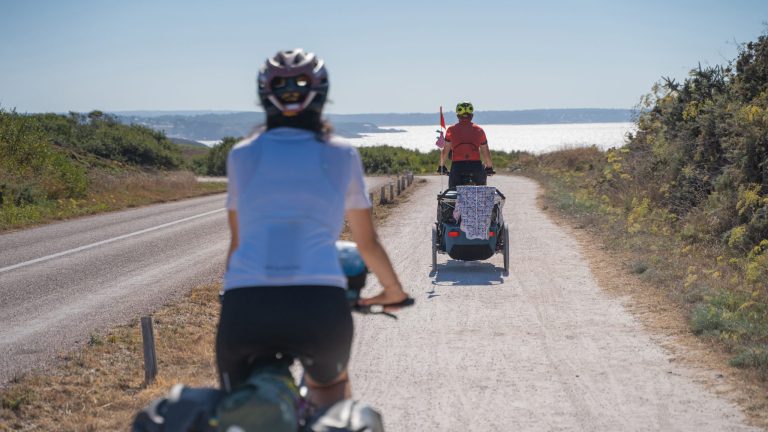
pixel 383 196
pixel 392 191
pixel 399 186
pixel 150 359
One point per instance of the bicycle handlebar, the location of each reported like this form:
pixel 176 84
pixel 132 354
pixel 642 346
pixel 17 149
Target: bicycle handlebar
pixel 379 309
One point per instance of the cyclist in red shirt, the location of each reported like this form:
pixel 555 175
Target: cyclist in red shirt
pixel 466 144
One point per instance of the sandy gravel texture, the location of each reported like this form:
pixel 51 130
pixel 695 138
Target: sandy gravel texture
pixel 669 325
pixel 543 349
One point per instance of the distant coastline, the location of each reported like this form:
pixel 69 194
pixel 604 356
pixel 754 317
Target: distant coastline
pixel 214 125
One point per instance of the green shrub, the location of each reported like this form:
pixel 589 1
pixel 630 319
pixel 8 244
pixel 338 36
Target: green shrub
pixel 707 320
pixel 396 160
pixel 755 357
pixel 102 135
pixel 31 169
pixel 690 186
pixel 216 160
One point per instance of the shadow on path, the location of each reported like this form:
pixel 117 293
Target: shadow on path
pixel 463 273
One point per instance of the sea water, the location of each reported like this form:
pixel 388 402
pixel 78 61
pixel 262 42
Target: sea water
pixel 539 138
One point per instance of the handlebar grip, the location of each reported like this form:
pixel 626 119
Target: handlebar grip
pixel 379 309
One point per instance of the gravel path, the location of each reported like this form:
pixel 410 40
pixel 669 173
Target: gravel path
pixel 543 349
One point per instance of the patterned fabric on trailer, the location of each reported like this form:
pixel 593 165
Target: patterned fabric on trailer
pixel 474 208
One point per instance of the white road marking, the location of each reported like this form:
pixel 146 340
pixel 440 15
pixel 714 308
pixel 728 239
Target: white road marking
pixel 99 243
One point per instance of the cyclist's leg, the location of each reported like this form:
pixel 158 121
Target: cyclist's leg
pixel 239 337
pixel 327 354
pixel 453 175
pixel 325 395
pixel 312 322
pixel 457 170
pixel 481 179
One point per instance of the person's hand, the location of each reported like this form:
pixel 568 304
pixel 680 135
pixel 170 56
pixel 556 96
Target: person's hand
pixel 489 171
pixel 442 170
pixel 387 297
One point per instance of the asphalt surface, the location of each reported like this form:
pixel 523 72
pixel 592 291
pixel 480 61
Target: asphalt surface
pixel 63 282
pixel 542 349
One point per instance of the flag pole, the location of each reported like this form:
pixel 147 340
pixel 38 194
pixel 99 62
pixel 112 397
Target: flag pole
pixel 442 127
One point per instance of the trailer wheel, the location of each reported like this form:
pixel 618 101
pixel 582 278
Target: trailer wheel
pixel 506 249
pixel 434 250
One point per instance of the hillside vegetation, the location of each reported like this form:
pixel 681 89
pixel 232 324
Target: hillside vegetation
pixel 56 166
pixel 688 195
pixel 377 160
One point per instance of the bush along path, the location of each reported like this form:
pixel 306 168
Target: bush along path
pixel 687 198
pixel 56 166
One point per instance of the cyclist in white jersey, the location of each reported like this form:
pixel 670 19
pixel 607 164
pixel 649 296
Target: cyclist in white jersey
pixel 290 188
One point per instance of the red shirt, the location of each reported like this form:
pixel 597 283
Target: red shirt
pixel 466 139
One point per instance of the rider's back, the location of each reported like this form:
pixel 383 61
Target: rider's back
pixel 290 190
pixel 466 139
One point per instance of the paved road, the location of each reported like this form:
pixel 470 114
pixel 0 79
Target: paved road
pixel 62 282
pixel 543 349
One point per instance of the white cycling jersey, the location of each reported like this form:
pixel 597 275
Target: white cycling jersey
pixel 290 191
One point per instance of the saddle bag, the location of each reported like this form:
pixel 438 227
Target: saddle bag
pixel 184 409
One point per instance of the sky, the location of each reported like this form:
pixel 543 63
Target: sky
pixel 398 56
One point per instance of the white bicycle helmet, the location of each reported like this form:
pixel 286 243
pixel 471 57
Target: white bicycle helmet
pixel 291 82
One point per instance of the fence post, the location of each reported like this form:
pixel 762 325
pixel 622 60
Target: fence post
pixel 383 196
pixel 150 358
pixel 399 188
pixel 392 191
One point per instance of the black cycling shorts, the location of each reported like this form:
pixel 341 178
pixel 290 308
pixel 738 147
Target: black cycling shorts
pixel 461 168
pixel 311 323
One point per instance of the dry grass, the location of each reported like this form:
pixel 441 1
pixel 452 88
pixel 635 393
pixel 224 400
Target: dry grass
pixel 100 388
pixel 110 192
pixel 138 189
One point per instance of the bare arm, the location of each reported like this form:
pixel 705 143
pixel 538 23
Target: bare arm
pixel 444 152
pixel 486 155
pixel 233 229
pixel 375 257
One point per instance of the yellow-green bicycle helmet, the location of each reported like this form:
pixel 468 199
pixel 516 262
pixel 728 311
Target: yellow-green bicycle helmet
pixel 464 108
